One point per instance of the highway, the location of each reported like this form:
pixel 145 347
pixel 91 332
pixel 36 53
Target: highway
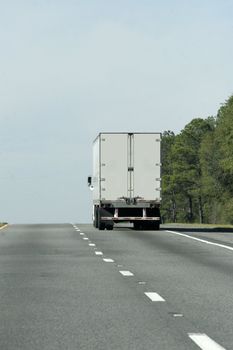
pixel 71 287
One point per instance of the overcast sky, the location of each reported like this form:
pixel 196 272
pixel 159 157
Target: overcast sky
pixel 70 69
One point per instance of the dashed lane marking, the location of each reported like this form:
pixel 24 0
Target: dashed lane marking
pixel 201 240
pixel 204 342
pixel 85 239
pixel 154 296
pixel 126 273
pixel 108 260
pixel 91 244
pixel 178 315
pixel 81 234
pixel 98 253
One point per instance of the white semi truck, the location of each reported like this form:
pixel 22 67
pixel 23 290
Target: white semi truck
pixel 126 181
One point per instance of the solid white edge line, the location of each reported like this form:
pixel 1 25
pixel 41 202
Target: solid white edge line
pixel 154 296
pixel 201 240
pixel 205 342
pixel 126 273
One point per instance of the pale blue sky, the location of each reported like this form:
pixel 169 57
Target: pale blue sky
pixel 70 69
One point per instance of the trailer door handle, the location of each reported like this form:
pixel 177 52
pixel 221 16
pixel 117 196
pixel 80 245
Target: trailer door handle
pixel 130 168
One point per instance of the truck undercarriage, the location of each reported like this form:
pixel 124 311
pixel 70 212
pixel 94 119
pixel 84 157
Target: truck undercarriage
pixel 142 218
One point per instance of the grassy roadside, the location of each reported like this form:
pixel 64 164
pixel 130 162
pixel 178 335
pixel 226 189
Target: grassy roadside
pixel 3 224
pixel 196 226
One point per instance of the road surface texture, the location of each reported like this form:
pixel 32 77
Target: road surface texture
pixel 73 287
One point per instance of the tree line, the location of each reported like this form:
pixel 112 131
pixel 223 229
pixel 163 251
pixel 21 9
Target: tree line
pixel 197 170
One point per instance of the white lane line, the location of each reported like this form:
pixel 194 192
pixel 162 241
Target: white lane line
pixel 81 234
pixel 77 229
pixel 201 240
pixel 108 260
pixel 178 315
pixel 204 342
pixel 98 253
pixel 91 244
pixel 126 273
pixel 85 238
pixel 154 296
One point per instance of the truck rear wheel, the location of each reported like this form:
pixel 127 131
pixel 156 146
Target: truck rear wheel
pixel 96 219
pixel 101 224
pixel 155 225
pixel 137 225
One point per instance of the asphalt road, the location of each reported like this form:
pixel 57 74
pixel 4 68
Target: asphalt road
pixel 57 291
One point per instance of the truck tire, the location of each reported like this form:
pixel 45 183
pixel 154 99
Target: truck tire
pixel 155 225
pixel 137 225
pixel 101 224
pixel 109 227
pixel 96 220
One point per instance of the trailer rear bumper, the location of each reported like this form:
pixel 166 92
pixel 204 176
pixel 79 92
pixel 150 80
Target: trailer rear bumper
pixel 130 218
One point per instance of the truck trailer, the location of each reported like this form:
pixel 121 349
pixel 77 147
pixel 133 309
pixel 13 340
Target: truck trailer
pixel 126 180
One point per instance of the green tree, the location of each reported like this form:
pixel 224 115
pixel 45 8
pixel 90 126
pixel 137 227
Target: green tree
pixel 211 187
pixel 187 174
pixel 224 154
pixel 224 144
pixel 168 210
pixel 197 172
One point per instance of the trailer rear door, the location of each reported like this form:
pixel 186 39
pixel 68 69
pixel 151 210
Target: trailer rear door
pixel 146 163
pixel 114 166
